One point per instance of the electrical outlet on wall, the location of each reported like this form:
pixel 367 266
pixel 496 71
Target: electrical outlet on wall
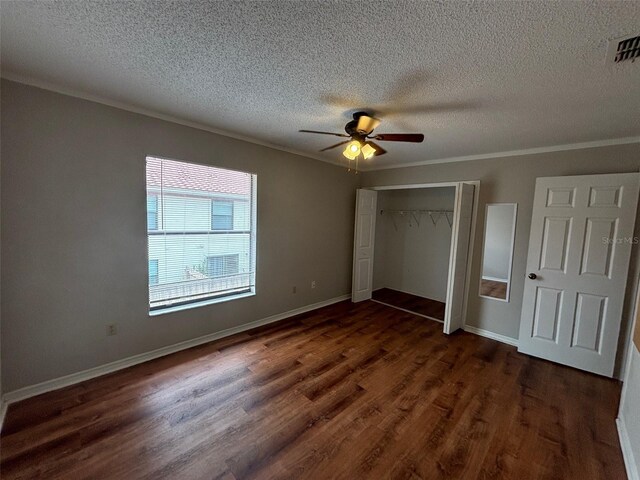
pixel 313 284
pixel 112 329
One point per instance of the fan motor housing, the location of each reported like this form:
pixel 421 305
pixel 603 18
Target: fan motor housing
pixel 350 127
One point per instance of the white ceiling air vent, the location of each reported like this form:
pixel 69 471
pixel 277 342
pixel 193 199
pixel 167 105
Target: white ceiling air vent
pixel 624 49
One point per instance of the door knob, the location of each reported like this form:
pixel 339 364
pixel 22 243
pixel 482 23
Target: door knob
pixel 532 276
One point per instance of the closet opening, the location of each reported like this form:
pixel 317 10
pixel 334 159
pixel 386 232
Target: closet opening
pixel 411 248
pixel 412 245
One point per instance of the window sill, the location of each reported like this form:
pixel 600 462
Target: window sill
pixel 188 306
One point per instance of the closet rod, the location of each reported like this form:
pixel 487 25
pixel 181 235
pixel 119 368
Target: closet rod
pixel 415 211
pixel 416 214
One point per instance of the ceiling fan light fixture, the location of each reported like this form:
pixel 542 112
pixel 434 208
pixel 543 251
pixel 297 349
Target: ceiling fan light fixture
pixel 367 151
pixel 352 150
pixel 349 155
pixel 358 133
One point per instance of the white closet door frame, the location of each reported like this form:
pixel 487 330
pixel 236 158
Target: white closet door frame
pixel 476 195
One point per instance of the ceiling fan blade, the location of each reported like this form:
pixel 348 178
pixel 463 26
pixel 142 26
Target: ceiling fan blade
pixel 400 137
pixel 325 133
pixel 334 146
pixel 367 124
pixel 378 148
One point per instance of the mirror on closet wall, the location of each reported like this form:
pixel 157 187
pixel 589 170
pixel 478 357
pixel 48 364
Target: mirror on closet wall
pixel 497 250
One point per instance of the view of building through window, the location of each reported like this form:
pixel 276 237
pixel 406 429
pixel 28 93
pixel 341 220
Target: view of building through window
pixel 200 224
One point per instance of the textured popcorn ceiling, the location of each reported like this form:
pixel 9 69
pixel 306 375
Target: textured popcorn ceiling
pixel 474 77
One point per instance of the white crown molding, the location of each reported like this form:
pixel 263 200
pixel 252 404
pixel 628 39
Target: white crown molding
pixel 493 336
pixel 72 379
pixel 514 153
pixel 42 84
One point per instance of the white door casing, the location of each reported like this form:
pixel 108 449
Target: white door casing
pixel 363 244
pixel 579 248
pixel 460 238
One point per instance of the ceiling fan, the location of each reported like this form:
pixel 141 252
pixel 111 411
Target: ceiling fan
pixel 359 131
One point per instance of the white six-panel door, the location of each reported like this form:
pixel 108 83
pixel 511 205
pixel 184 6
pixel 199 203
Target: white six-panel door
pixel 363 245
pixel 579 248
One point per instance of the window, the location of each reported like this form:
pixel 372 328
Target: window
pixel 153 272
pixel 221 215
pixel 152 212
pixel 223 265
pixel 201 230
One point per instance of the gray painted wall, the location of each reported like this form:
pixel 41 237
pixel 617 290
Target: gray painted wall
pixel 74 242
pixel 512 180
pixel 413 258
pixel 496 254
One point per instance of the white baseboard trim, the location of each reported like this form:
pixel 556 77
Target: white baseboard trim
pixel 67 380
pixel 413 293
pixel 633 472
pixel 495 279
pixel 408 311
pixel 493 336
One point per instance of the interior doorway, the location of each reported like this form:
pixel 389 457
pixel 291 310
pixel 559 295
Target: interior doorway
pixel 580 244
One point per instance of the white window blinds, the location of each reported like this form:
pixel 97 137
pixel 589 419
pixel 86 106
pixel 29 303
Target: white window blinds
pixel 201 231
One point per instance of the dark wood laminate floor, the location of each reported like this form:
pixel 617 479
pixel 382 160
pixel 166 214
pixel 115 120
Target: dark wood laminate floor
pixel 492 288
pixel 424 306
pixel 346 392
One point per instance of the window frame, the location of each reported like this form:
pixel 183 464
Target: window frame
pixel 214 297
